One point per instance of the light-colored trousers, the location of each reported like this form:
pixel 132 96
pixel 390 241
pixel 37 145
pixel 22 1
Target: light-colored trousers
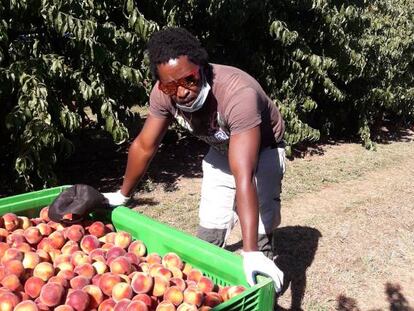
pixel 217 204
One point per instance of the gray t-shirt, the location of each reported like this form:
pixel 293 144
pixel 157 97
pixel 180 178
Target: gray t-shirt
pixel 236 103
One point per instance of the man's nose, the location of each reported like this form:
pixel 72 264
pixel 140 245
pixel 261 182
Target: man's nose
pixel 182 92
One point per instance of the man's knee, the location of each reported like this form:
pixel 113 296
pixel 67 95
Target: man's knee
pixel 213 236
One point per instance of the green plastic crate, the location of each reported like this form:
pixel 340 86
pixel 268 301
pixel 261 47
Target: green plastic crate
pixel 224 267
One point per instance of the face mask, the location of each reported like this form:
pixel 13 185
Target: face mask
pixel 199 101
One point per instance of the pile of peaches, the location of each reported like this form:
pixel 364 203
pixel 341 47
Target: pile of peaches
pixel 46 265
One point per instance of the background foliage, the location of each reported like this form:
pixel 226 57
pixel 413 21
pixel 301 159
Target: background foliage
pixel 335 68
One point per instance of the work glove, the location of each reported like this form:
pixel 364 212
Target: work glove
pixel 255 263
pixel 115 198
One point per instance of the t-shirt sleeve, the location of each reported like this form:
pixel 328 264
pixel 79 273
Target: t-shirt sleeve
pixel 160 104
pixel 243 111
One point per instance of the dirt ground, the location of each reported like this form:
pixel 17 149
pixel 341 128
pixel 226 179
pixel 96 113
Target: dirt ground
pixel 346 241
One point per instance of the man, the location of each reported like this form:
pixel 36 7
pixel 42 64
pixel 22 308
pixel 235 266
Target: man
pixel 242 171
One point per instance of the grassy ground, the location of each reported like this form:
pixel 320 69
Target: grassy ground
pixel 346 238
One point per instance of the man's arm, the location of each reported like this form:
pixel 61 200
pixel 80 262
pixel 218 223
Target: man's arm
pixel 243 157
pixel 142 150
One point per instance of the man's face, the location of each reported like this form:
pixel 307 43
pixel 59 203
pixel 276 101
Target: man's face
pixel 180 79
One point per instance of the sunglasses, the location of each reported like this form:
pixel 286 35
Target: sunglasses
pixel 187 82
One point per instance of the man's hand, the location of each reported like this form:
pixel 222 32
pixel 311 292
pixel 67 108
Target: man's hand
pixel 255 263
pixel 115 198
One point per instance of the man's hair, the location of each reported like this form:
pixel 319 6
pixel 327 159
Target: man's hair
pixel 172 42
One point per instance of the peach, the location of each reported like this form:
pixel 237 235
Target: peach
pixel 144 266
pixel 187 268
pixel 99 252
pixel 43 255
pixel 23 247
pixel 11 282
pixel 8 301
pixel 62 258
pixel 70 247
pixel 205 284
pixel 24 222
pixel 122 305
pixel 64 266
pixel 223 292
pixel 44 214
pixel 142 283
pixel 133 259
pixel 149 302
pixel 187 307
pixel 153 258
pixel 212 299
pixel 138 248
pixel 164 273
pixel 3 272
pixel 78 300
pixel 58 239
pixel 235 290
pixel 12 253
pixel 165 306
pixel 107 282
pixel 78 282
pixel 122 239
pixel 26 305
pixel 80 258
pixel 53 253
pixel 107 246
pixel 3 247
pixel 59 279
pixel 67 274
pixel 205 308
pixel 88 243
pixel 177 273
pixel 121 291
pixel 15 238
pixel 45 244
pixel 193 295
pixel 179 282
pixel 44 270
pixel 114 252
pixel 100 267
pixel 95 279
pixel 33 286
pixel 137 305
pixel 74 233
pixel 120 265
pixel 37 220
pixel 174 295
pixel 97 229
pixel 44 229
pixel 14 266
pixel 11 222
pixel 64 308
pixel 86 270
pixel 42 306
pixel 95 295
pixel 51 294
pixel 56 226
pixel 172 260
pixel 160 286
pixel 108 238
pixel 32 235
pixel 107 305
pixel 194 275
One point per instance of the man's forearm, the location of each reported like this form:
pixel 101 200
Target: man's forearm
pixel 138 161
pixel 248 211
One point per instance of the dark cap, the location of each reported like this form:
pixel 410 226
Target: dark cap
pixel 77 201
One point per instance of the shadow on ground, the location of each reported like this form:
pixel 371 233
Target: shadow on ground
pixel 394 295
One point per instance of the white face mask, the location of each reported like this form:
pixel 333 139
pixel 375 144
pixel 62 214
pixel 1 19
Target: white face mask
pixel 199 101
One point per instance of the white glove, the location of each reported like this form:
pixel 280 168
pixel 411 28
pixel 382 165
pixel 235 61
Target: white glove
pixel 115 198
pixel 255 263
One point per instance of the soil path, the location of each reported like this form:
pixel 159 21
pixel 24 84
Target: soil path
pixel 351 243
